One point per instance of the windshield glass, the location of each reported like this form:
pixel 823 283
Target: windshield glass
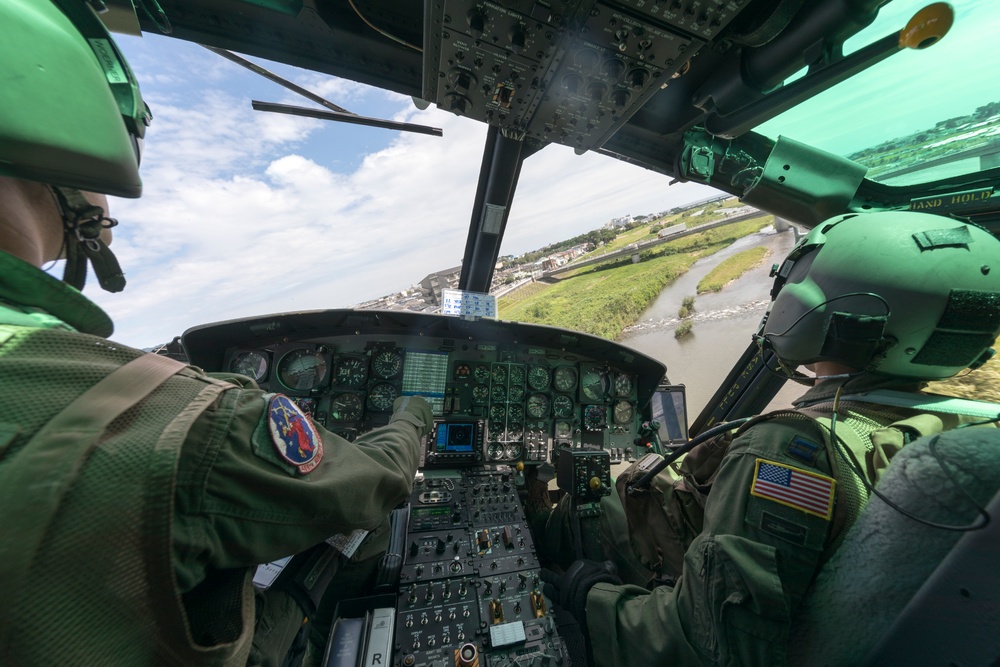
pixel 918 116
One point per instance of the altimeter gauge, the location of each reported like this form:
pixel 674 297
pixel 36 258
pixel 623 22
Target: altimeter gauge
pixel 302 369
pixel 251 364
pixel 346 407
pixel 624 412
pixel 382 396
pixel 387 363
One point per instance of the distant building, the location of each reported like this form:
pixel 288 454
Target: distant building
pixel 433 284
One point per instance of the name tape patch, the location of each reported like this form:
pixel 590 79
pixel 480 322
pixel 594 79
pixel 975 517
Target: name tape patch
pixel 793 487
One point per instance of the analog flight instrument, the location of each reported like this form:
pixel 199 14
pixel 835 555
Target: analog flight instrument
pixel 302 370
pixel 251 364
pixel 387 363
pixel 562 406
pixel 595 417
pixel 481 374
pixel 539 378
pixel 499 374
pixel 564 378
pixel 480 393
pixel 594 384
pixel 346 407
pixel 623 384
pixel 538 406
pixel 381 397
pixel 624 412
pixel 517 375
pixel 515 394
pixel 351 372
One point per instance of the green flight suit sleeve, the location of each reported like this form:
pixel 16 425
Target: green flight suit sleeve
pixel 744 575
pixel 238 505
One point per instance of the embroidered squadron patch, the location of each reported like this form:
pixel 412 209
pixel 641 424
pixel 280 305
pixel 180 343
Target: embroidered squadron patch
pixel 793 487
pixel 293 434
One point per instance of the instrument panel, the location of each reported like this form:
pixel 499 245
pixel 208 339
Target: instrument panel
pixel 534 388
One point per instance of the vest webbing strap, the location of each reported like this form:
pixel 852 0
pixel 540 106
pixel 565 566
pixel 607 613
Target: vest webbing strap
pixel 57 453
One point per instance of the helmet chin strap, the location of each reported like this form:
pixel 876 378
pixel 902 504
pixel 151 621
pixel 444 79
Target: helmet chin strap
pixel 82 224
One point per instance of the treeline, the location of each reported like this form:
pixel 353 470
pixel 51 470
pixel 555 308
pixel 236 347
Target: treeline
pixel 594 237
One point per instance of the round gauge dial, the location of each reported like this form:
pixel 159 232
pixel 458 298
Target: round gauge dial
pixel 251 364
pixel 594 384
pixel 462 371
pixel 564 378
pixel 515 413
pixel 496 430
pixel 563 429
pixel 562 406
pixel 495 451
pixel 381 397
pixel 512 452
pixel 302 370
pixel 480 393
pixel 481 374
pixel 497 414
pixel 346 407
pixel 499 393
pixel 499 375
pixel 538 406
pixel 539 378
pixel 624 412
pixel 351 372
pixel 517 375
pixel 623 384
pixel 514 431
pixel 387 363
pixel 595 417
pixel 515 394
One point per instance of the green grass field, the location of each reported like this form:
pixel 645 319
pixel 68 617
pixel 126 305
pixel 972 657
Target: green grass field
pixel 731 269
pixel 604 299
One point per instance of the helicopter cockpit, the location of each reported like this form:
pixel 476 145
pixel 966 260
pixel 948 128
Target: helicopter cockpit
pixel 781 103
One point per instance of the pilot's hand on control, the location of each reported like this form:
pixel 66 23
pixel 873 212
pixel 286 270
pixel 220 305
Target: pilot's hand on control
pixel 570 589
pixel 414 410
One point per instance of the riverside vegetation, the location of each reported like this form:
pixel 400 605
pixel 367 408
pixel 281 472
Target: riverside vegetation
pixel 604 299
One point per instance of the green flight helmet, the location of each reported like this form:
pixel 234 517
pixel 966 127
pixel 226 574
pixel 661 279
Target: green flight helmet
pixel 904 294
pixel 70 110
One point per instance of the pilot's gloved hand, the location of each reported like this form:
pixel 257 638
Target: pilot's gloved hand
pixel 570 589
pixel 414 410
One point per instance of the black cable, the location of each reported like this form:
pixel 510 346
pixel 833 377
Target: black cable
pixel 684 449
pixel 855 466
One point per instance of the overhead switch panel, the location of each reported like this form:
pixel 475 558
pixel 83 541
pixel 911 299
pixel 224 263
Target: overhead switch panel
pixel 563 71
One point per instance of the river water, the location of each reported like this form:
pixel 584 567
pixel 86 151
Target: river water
pixel 723 322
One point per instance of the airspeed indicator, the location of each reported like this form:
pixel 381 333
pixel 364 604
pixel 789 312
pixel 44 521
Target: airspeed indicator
pixel 539 378
pixel 387 363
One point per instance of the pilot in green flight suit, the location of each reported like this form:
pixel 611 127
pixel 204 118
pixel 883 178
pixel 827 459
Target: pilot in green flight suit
pixel 877 304
pixel 136 493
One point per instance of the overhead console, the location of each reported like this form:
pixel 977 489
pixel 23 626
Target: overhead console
pixel 500 391
pixel 561 71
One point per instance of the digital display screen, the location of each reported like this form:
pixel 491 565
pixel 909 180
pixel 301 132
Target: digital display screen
pixel 425 375
pixel 669 409
pixel 424 512
pixel 455 437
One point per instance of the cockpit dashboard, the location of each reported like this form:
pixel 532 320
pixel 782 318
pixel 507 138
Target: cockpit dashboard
pixel 501 392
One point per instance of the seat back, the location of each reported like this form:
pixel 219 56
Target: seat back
pixel 886 557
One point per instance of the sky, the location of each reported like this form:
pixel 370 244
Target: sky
pixel 245 213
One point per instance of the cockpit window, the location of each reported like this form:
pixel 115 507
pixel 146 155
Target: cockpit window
pixel 918 116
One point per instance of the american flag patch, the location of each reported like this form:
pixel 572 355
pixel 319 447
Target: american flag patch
pixel 794 487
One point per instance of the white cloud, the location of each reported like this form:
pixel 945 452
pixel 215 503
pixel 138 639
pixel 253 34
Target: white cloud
pixel 236 220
